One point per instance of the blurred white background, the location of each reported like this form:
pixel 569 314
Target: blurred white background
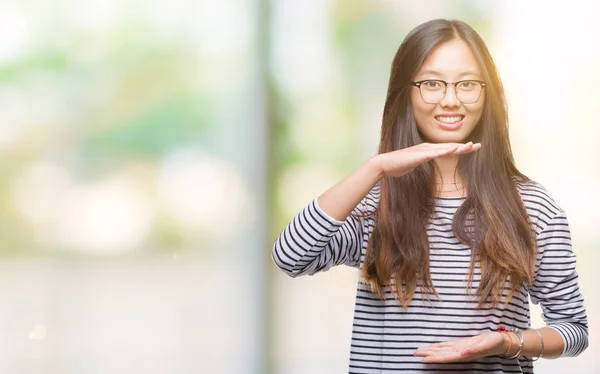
pixel 151 152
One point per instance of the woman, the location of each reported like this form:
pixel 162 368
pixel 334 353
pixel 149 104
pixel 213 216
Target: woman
pixel 449 236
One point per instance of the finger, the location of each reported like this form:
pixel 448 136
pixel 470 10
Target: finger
pixel 443 151
pixel 469 149
pixel 458 148
pixel 459 145
pixel 442 145
pixel 437 345
pixel 426 351
pixel 465 147
pixel 430 154
pixel 421 353
pixel 435 353
pixel 443 357
pixel 444 344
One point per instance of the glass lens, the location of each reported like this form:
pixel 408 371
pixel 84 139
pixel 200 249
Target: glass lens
pixel 432 91
pixel 468 91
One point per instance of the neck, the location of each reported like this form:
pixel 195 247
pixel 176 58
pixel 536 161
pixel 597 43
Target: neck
pixel 448 181
pixel 447 167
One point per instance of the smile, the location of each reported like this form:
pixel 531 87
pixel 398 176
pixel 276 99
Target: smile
pixel 446 119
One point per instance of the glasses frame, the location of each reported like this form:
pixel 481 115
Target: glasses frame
pixel 418 85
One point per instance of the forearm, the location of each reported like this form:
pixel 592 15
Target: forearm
pixel 532 345
pixel 341 199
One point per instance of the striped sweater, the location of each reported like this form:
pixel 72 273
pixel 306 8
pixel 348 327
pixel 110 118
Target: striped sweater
pixel 384 335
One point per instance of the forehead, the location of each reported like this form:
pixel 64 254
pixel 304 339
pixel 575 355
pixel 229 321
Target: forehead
pixel 450 60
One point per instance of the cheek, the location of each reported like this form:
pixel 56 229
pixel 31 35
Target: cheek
pixel 477 110
pixel 476 114
pixel 420 109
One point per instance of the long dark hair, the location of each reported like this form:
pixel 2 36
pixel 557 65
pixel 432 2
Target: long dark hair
pixel 492 220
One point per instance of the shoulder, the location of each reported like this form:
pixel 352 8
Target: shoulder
pixel 540 204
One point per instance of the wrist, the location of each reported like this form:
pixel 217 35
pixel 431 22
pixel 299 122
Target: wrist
pixel 514 343
pixel 506 343
pixel 376 166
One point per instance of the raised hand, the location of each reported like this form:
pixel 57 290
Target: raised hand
pixel 402 161
pixel 466 349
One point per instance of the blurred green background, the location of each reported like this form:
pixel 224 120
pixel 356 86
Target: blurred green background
pixel 151 152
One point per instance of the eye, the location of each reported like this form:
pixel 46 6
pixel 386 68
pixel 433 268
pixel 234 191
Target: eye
pixel 467 85
pixel 431 85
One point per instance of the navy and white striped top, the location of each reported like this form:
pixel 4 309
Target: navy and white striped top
pixel 384 336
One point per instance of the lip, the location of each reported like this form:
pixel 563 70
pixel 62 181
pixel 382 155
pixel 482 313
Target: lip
pixel 450 126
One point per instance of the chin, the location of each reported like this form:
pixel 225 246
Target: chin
pixel 446 138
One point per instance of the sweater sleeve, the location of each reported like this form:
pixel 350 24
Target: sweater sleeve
pixel 556 286
pixel 314 241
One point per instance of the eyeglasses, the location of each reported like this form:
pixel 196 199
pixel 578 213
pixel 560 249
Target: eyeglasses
pixel 433 90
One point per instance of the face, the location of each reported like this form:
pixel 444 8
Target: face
pixel 450 120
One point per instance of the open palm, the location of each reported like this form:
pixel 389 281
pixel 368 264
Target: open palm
pixel 466 349
pixel 402 161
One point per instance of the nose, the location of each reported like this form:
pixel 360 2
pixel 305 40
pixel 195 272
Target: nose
pixel 450 99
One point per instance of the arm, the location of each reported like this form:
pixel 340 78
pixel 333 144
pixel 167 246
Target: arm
pixel 339 201
pixel 492 344
pixel 323 234
pixel 532 345
pixel 556 288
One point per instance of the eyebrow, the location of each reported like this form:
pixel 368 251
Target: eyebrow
pixel 435 72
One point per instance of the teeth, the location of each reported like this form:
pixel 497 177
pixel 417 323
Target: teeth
pixel 449 119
